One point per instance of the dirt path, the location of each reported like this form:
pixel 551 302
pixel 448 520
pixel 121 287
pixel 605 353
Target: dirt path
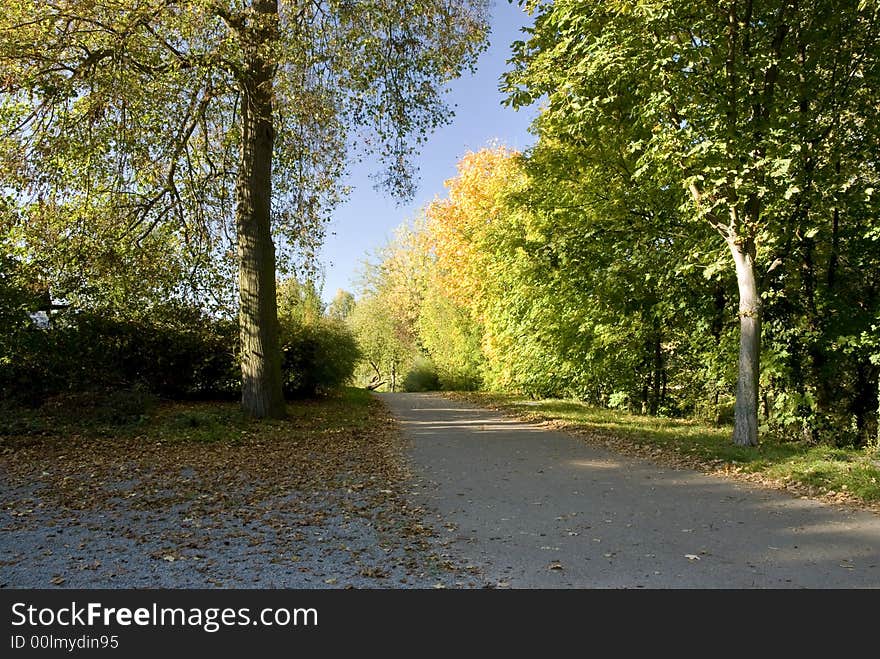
pixel 536 508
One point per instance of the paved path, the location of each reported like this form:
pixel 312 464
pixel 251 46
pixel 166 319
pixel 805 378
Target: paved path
pixel 535 508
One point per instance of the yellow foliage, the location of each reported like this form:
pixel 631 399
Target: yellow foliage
pixel 457 225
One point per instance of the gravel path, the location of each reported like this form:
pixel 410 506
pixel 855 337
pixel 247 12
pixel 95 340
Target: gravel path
pixel 128 547
pixel 536 508
pixel 309 502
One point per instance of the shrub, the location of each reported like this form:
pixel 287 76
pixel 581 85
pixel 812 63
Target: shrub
pixel 422 377
pixel 175 352
pixel 317 357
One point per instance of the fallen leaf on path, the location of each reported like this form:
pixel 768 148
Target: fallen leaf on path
pixel 278 486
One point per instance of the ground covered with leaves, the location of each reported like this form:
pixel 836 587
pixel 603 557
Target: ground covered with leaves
pixel 839 475
pixel 196 495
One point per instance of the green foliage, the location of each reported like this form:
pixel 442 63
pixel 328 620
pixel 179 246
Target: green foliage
pixel 452 339
pixel 422 376
pixel 588 282
pixel 130 112
pixel 175 352
pixel 298 303
pixel 668 125
pixel 186 135
pixel 318 352
pixel 385 317
pixel 317 357
pixel 17 300
pixel 341 306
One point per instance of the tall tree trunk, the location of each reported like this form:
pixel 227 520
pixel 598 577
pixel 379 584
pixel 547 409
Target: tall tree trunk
pixel 261 393
pixel 745 431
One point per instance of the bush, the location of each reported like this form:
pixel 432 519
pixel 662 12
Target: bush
pixel 422 377
pixel 452 381
pixel 176 352
pixel 317 357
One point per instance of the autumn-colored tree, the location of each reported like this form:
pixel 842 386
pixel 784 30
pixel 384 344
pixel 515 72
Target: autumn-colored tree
pixel 341 306
pixel 458 222
pixel 458 230
pixel 386 315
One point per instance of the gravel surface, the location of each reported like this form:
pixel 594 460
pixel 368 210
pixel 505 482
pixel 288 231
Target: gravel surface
pixel 310 502
pixel 128 547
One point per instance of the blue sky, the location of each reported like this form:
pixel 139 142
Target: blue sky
pixel 368 218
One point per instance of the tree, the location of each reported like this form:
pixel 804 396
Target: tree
pixel 385 349
pixel 341 306
pixel 452 338
pixel 221 117
pixel 386 315
pixel 747 105
pixel 452 324
pixel 299 302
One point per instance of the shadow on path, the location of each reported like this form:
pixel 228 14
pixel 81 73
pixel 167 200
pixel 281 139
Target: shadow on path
pixel 538 508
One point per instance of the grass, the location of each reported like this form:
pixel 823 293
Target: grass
pixel 842 475
pixel 126 415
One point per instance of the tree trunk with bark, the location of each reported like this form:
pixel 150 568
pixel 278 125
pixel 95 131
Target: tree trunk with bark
pixel 261 393
pixel 745 431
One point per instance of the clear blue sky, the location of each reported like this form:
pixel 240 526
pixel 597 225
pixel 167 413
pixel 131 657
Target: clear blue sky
pixel 368 218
